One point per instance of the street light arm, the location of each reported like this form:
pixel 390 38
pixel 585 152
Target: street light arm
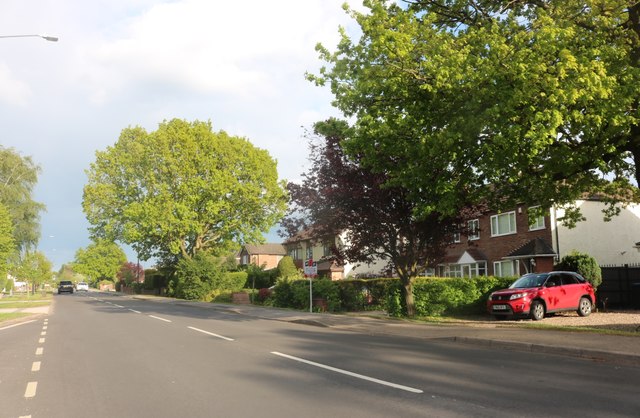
pixel 45 37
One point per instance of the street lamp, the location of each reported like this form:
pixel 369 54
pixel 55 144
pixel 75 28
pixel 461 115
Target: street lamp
pixel 45 37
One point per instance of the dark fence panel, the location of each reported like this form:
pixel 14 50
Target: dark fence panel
pixel 620 287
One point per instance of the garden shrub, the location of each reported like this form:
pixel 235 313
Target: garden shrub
pixel 583 264
pixel 258 278
pixel 287 268
pixel 194 277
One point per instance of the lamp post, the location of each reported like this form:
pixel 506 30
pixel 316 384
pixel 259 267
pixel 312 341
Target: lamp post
pixel 45 37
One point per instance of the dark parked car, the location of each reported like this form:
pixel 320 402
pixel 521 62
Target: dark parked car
pixel 537 294
pixel 65 286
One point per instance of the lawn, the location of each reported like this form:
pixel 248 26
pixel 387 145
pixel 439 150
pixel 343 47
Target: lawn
pixel 13 315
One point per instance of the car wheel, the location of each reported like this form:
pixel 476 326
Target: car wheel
pixel 537 310
pixel 584 308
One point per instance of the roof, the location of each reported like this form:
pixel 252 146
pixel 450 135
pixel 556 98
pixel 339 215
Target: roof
pixel 271 249
pixel 535 248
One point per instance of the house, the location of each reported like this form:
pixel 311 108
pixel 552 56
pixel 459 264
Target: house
pixel 266 256
pixel 308 245
pixel 512 243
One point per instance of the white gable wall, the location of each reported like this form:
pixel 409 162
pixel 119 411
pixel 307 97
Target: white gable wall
pixel 608 242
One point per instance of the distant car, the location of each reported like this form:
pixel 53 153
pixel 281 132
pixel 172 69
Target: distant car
pixel 82 286
pixel 536 294
pixel 65 286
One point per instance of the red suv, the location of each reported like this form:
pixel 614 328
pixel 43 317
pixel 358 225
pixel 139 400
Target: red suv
pixel 537 294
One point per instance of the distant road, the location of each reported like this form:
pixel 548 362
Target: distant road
pixel 100 355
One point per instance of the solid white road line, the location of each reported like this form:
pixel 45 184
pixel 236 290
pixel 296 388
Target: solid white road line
pixel 31 390
pixel 134 311
pixel 35 367
pixel 17 325
pixel 211 333
pixel 348 373
pixel 162 319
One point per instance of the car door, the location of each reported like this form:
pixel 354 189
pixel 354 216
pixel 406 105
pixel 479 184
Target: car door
pixel 553 293
pixel 572 291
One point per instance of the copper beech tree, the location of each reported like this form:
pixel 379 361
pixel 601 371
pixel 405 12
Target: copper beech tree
pixel 337 194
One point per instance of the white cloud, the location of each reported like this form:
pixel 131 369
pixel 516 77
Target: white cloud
pixel 239 49
pixel 13 91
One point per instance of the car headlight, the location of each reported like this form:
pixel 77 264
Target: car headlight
pixel 518 296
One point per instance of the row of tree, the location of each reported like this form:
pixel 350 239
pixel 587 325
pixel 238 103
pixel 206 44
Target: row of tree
pixel 20 221
pixel 460 105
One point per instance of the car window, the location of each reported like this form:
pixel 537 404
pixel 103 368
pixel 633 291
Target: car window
pixel 553 280
pixel 529 280
pixel 569 279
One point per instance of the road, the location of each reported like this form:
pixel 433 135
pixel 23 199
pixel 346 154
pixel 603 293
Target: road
pixel 101 355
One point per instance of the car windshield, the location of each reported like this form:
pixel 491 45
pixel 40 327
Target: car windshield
pixel 63 283
pixel 529 280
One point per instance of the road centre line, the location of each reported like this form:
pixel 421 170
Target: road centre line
pixel 35 367
pixel 211 333
pixel 17 325
pixel 41 340
pixel 31 390
pixel 39 351
pixel 348 373
pixel 134 311
pixel 161 319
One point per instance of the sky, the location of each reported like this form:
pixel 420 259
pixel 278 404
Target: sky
pixel 121 63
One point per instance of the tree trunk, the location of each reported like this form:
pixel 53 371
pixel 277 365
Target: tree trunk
pixel 407 289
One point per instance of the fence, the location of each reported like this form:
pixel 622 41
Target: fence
pixel 620 287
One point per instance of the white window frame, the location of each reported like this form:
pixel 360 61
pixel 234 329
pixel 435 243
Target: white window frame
pixel 456 237
pixel 497 268
pixel 309 252
pixel 474 232
pixel 539 222
pixel 512 224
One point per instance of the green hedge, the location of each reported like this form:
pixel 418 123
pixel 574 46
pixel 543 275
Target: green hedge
pixel 433 296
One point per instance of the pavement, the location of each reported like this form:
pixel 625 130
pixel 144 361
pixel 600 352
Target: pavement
pixel 618 349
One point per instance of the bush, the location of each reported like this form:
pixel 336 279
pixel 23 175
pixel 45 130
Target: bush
pixel 258 278
pixel 287 268
pixel 583 264
pixel 194 276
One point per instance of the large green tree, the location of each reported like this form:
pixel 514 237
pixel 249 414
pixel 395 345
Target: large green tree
pixel 537 98
pixel 7 243
pixel 182 189
pixel 34 267
pixel 18 177
pixel 101 260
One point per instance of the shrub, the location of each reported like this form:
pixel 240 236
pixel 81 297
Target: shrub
pixel 258 278
pixel 287 268
pixel 264 294
pixel 194 276
pixel 583 264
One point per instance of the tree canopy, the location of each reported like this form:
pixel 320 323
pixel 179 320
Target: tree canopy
pixel 538 99
pixel 33 267
pixel 7 243
pixel 338 195
pixel 182 189
pixel 101 260
pixel 18 177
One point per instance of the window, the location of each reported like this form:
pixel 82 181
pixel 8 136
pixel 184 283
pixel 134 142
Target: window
pixel 464 270
pixel 474 229
pixel 504 268
pixel 296 253
pixel 503 224
pixel 309 252
pixel 326 249
pixel 537 222
pixel 456 237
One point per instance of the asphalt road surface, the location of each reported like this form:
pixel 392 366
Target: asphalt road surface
pixel 100 355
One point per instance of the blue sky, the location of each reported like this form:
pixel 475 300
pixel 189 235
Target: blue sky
pixel 123 63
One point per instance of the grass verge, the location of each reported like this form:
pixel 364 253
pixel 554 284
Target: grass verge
pixel 13 315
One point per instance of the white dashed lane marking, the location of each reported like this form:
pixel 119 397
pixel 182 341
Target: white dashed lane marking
pixel 211 333
pixel 31 390
pixel 161 319
pixel 35 367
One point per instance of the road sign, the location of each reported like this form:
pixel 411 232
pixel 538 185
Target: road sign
pixel 310 268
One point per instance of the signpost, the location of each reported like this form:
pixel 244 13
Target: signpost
pixel 310 271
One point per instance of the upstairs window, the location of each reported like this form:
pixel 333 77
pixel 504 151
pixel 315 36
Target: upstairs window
pixel 309 252
pixel 535 222
pixel 474 229
pixel 503 224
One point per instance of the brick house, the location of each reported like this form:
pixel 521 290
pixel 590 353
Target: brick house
pixel 266 256
pixel 510 243
pixel 307 245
